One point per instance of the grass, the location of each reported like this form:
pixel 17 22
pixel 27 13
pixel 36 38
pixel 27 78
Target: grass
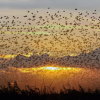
pixel 15 93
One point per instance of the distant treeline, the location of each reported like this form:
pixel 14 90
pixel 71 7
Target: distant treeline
pixel 15 93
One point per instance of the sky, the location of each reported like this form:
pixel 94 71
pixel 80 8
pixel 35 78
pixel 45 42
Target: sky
pixel 71 4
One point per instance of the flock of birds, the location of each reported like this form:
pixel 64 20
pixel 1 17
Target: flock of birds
pixel 59 27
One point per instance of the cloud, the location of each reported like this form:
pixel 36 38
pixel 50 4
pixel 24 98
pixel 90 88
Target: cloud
pixel 91 59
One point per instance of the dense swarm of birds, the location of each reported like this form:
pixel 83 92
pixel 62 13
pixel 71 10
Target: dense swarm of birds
pixel 19 35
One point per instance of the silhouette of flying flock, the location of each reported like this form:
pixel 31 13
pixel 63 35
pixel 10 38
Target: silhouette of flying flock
pixel 16 27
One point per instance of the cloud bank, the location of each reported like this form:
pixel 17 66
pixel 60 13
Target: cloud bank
pixel 91 60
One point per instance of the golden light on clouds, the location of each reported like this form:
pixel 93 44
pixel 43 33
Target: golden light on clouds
pixel 13 56
pixel 7 56
pixel 49 69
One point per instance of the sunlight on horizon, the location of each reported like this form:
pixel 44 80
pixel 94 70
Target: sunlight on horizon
pixel 55 75
pixel 49 69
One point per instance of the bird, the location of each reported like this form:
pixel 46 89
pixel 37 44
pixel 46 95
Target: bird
pixel 55 31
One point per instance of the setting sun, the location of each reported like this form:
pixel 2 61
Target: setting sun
pixel 51 68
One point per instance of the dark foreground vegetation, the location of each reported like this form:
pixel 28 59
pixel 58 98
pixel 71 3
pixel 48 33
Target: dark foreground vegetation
pixel 15 93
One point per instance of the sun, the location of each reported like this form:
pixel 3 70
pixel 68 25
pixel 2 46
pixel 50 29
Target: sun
pixel 56 68
pixel 51 68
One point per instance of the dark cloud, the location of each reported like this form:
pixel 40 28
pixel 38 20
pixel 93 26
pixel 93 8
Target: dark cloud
pixel 91 60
